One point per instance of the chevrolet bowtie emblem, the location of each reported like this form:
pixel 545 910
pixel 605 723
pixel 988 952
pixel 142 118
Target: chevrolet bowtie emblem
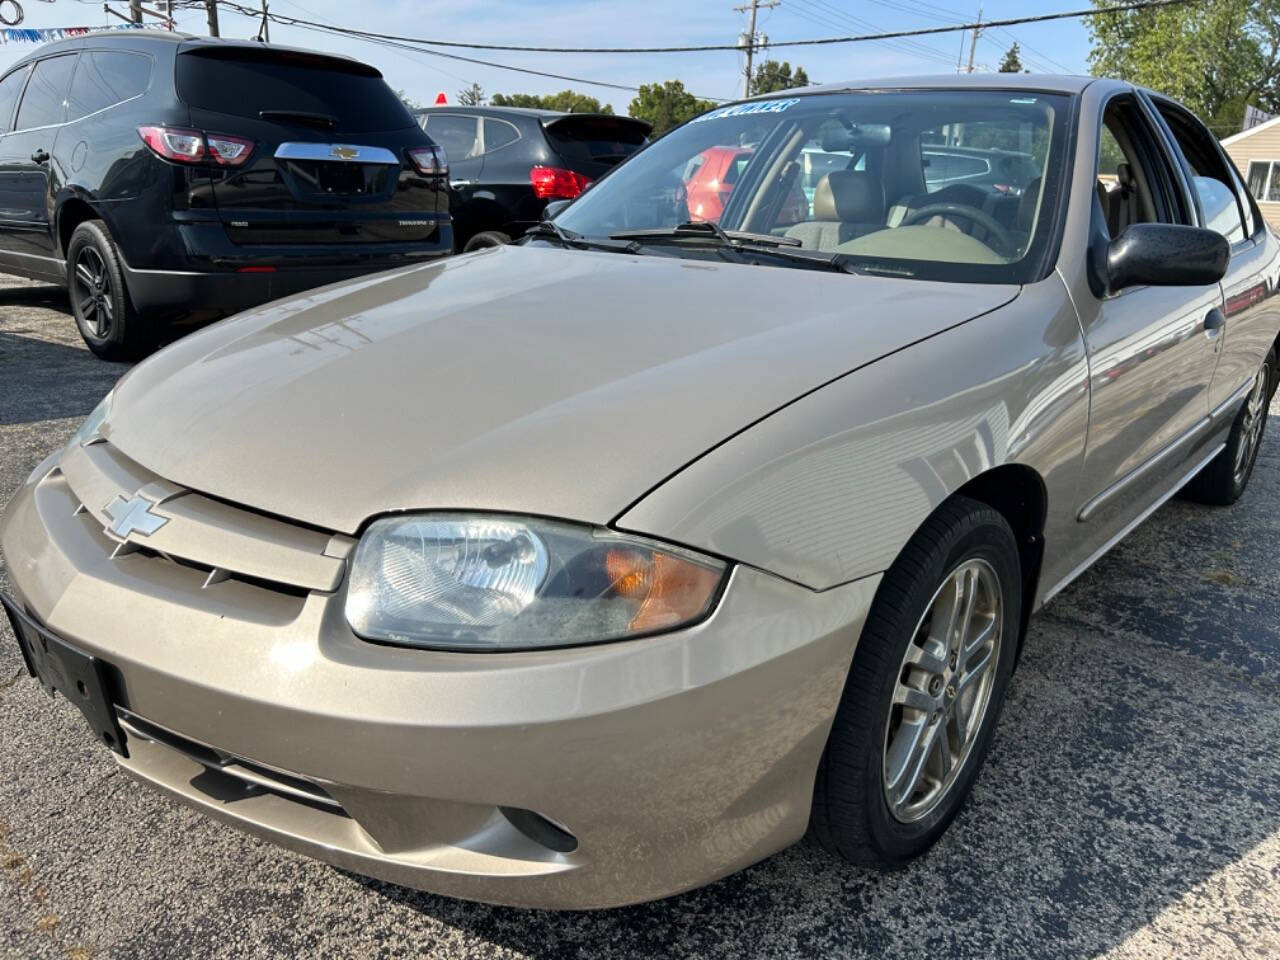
pixel 133 516
pixel 344 153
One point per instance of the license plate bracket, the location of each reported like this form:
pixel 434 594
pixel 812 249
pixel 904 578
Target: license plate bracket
pixel 80 677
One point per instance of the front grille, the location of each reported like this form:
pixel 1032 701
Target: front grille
pixel 215 539
pixel 231 776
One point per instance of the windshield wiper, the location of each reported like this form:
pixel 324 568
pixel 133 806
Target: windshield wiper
pixel 567 238
pixel 706 230
pixel 741 243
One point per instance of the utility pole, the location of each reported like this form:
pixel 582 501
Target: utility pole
pixel 266 24
pixel 211 7
pixel 135 11
pixel 752 38
pixel 973 44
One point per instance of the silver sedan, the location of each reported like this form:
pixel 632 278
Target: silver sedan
pixel 588 570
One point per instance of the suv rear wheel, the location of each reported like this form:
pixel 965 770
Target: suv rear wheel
pixel 107 320
pixel 488 238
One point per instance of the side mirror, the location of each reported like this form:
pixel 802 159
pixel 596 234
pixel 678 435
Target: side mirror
pixel 554 208
pixel 1166 255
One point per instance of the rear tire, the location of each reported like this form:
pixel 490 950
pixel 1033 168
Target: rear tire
pixel 1224 479
pixel 922 696
pixel 109 324
pixel 487 238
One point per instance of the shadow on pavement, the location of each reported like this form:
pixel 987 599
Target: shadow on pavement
pixel 43 380
pixel 36 295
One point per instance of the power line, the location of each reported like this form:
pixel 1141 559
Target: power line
pixel 392 42
pixel 1044 57
pixel 396 50
pixel 706 48
pixel 911 47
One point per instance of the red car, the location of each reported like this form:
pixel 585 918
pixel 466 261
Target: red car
pixel 710 178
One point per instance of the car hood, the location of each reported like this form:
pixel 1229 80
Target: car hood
pixel 530 379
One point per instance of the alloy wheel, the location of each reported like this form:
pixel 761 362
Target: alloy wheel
pixel 943 690
pixel 1255 415
pixel 92 286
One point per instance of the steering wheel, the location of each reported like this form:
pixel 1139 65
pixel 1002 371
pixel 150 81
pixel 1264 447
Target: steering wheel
pixel 983 219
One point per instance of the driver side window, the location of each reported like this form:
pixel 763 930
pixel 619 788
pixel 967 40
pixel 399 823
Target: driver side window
pixel 1133 181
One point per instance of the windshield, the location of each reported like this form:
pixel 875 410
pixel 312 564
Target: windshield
pixel 935 184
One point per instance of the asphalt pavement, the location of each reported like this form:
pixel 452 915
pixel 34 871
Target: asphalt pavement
pixel 1130 806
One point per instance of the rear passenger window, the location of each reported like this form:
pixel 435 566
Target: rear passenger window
pixel 458 134
pixel 498 133
pixel 941 169
pixel 45 101
pixel 10 87
pixel 1211 178
pixel 1250 221
pixel 104 79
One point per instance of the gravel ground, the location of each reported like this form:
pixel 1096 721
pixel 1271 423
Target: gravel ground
pixel 1130 807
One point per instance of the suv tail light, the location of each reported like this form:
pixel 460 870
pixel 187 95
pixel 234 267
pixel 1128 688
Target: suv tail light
pixel 430 161
pixel 195 146
pixel 556 183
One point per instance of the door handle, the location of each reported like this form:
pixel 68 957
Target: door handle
pixel 40 156
pixel 1214 323
pixel 460 183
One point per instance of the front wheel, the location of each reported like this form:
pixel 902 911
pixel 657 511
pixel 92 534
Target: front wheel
pixel 1223 481
pixel 924 690
pixel 110 326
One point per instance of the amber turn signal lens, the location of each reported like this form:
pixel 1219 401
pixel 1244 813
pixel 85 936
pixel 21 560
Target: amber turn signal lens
pixel 667 589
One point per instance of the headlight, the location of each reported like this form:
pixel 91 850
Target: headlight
pixel 468 582
pixel 93 423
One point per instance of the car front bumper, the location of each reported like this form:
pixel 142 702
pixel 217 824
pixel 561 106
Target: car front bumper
pixel 673 760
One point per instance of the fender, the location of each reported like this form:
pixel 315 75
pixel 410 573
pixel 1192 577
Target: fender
pixel 830 488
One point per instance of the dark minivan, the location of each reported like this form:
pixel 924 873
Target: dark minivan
pixel 161 175
pixel 507 163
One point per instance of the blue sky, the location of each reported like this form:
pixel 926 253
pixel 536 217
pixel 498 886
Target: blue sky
pixel 1060 46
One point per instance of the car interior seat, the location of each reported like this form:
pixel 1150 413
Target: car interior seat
pixel 1121 201
pixel 846 204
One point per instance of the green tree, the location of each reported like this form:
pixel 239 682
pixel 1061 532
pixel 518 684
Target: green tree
pixel 569 101
pixel 1215 56
pixel 772 75
pixel 1012 62
pixel 472 96
pixel 666 105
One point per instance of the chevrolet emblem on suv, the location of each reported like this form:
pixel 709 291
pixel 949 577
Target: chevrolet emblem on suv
pixel 344 153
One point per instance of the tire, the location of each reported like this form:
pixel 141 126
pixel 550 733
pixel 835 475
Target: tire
pixel 487 238
pixel 110 326
pixel 853 817
pixel 1224 479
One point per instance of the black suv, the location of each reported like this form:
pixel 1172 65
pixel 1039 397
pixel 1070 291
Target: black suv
pixel 508 162
pixel 159 174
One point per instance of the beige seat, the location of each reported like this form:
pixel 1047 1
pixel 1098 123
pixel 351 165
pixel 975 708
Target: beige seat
pixel 1120 202
pixel 846 204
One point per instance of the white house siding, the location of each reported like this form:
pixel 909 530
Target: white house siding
pixel 1263 143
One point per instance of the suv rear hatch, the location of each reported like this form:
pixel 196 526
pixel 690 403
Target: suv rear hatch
pixel 593 143
pixel 330 140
